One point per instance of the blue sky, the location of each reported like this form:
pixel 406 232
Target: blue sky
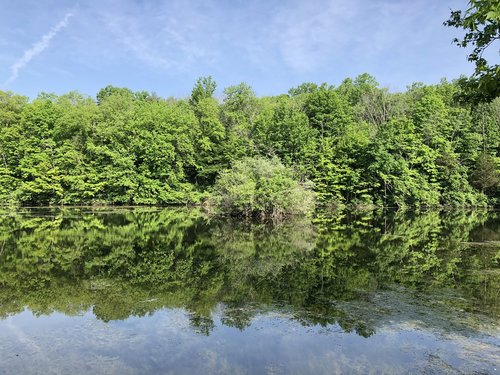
pixel 164 45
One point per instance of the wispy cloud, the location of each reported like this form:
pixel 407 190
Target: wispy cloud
pixel 156 37
pixel 315 35
pixel 37 48
pixel 306 33
pixel 138 44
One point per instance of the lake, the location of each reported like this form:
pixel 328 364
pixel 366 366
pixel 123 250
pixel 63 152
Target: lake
pixel 171 291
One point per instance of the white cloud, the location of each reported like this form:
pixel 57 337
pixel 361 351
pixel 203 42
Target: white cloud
pixel 311 35
pixel 155 36
pixel 307 32
pixel 37 48
pixel 137 43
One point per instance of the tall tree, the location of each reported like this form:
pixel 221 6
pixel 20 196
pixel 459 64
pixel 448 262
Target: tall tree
pixel 203 89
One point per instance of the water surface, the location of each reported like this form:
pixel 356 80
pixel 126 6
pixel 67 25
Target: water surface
pixel 160 291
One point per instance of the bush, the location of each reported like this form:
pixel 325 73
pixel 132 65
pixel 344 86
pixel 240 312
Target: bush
pixel 263 188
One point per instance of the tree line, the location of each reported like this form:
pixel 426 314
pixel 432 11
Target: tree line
pixel 356 143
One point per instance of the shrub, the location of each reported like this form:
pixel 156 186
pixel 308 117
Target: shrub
pixel 263 188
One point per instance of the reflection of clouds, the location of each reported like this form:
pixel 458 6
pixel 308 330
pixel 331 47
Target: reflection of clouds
pixel 442 349
pixel 478 351
pixel 77 346
pixel 273 344
pixel 26 343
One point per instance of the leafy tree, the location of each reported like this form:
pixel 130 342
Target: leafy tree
pixel 261 187
pixel 481 23
pixel 11 108
pixel 238 113
pixel 203 89
pixel 486 174
pixel 304 88
pixel 328 112
pixel 109 90
pixel 210 142
pixel 282 129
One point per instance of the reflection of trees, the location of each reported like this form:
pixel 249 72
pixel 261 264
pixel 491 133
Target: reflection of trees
pixel 133 262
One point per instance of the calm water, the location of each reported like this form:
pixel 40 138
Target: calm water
pixel 147 291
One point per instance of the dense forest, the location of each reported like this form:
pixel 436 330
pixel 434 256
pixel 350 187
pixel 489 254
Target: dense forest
pixel 356 143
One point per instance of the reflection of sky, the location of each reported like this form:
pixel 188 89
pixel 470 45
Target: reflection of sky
pixel 165 343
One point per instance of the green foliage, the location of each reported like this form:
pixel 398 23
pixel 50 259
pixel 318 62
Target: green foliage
pixel 486 174
pixel 261 187
pixel 203 89
pixel 210 142
pixel 238 112
pixel 328 112
pixel 481 23
pixel 359 144
pixel 282 129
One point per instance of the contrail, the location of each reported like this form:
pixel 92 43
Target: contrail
pixel 37 48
